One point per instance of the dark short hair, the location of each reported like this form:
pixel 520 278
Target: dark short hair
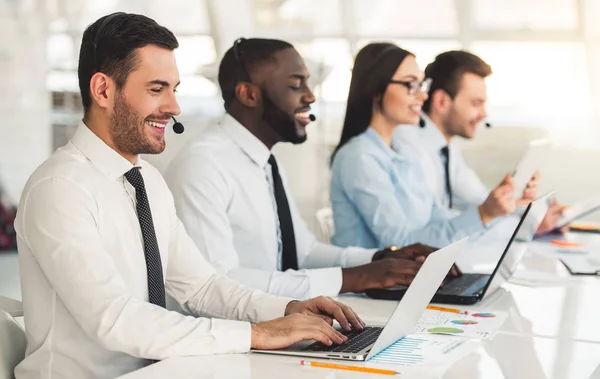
pixel 109 46
pixel 252 53
pixel 374 67
pixel 447 70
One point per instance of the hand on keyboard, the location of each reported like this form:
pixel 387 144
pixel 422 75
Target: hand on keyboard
pixel 286 331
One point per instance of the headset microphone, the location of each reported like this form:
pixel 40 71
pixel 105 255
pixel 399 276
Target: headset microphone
pixel 312 117
pixel 178 127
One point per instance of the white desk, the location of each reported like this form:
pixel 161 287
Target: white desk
pixel 552 332
pixel 505 357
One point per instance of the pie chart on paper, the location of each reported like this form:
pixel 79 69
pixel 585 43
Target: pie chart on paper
pixel 464 322
pixel 483 315
pixel 445 330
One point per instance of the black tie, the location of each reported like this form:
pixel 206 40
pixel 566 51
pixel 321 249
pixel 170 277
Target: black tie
pixel 156 285
pixel 289 258
pixel 446 155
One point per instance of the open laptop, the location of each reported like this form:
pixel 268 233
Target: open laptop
pixel 473 287
pixel 361 346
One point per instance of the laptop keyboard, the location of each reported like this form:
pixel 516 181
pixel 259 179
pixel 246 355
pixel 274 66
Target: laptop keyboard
pixel 357 341
pixel 457 286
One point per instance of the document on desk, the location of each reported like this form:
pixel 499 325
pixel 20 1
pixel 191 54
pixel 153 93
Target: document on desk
pixel 478 325
pixel 424 350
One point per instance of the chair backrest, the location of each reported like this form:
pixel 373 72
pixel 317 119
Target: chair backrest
pixel 326 225
pixel 12 345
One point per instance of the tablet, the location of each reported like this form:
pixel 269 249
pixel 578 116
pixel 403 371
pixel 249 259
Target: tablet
pixel 578 210
pixel 533 160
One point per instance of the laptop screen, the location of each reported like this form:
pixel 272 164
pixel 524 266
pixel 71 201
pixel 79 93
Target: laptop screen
pixel 519 241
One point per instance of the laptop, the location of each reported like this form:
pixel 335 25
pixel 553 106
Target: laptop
pixel 471 288
pixel 363 345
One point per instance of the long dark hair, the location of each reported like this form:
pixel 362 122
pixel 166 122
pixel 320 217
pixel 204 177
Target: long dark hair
pixel 374 66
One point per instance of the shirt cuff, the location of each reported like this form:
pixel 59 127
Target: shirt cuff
pixel 325 281
pixel 273 308
pixel 231 336
pixel 468 222
pixel 357 256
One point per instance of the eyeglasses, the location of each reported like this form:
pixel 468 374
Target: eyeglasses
pixel 415 86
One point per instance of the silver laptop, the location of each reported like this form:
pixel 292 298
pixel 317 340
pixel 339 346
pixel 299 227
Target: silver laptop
pixel 364 345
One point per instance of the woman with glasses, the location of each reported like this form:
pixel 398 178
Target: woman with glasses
pixel 378 194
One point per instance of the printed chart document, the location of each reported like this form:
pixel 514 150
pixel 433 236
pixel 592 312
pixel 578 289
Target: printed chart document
pixel 477 325
pixel 424 350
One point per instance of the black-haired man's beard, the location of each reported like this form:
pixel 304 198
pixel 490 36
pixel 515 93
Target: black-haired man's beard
pixel 281 122
pixel 127 131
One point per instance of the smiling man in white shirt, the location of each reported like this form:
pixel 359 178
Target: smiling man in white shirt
pixel 231 194
pixel 455 108
pixel 100 243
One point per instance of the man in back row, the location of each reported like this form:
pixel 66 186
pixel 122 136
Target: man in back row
pixel 230 191
pixel 456 107
pixel 100 243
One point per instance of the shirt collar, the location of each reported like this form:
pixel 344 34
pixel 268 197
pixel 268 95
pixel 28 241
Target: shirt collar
pixel 434 139
pixel 387 150
pixel 100 154
pixel 250 145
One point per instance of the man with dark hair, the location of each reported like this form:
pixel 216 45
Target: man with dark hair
pixel 100 242
pixel 455 107
pixel 232 196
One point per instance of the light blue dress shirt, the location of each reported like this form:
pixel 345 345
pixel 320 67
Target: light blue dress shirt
pixel 379 198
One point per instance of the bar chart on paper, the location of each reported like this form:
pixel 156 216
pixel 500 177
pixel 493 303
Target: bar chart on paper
pixel 421 349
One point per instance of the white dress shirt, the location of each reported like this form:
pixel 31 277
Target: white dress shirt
pixel 83 273
pixel 467 188
pixel 222 185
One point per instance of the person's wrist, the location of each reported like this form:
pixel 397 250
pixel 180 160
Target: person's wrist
pixel 483 214
pixel 289 308
pixel 380 254
pixel 351 278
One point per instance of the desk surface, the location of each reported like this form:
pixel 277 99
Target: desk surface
pixel 506 356
pixel 552 332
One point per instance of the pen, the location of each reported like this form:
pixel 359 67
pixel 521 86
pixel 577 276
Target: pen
pixel 350 368
pixel 444 309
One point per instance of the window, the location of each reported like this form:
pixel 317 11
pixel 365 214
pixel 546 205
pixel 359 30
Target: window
pixel 307 17
pixel 424 50
pixel 329 63
pixel 530 79
pixel 183 17
pixel 423 18
pixel 60 52
pixel 194 52
pixel 525 14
